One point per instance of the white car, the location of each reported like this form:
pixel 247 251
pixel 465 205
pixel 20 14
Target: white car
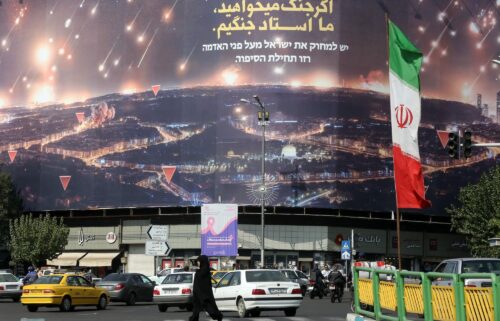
pixel 158 278
pixel 249 292
pixel 176 290
pixel 10 287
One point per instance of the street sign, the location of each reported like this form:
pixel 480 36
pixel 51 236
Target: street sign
pixel 157 248
pixel 158 232
pixel 345 251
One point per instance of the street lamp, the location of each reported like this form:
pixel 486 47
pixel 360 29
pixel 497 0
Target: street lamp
pixel 263 117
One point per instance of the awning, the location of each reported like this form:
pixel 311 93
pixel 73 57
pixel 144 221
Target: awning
pixel 67 259
pixel 243 258
pixel 98 259
pixel 305 259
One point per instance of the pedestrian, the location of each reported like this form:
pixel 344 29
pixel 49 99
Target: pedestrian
pixel 39 273
pixel 203 296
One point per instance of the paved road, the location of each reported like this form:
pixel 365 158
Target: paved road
pixel 311 310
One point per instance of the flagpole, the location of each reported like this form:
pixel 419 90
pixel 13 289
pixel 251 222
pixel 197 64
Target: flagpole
pixel 398 226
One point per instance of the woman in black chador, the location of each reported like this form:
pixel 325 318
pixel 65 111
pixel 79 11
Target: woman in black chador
pixel 203 297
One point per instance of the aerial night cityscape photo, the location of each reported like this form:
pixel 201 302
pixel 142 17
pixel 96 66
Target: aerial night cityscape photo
pixel 291 135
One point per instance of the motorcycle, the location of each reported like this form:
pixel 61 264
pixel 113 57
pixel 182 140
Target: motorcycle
pixel 336 293
pixel 317 291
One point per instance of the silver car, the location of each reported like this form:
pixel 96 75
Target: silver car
pixel 468 265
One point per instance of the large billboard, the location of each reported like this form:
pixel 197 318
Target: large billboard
pixel 219 229
pixel 137 103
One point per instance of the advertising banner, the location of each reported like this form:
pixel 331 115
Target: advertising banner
pixel 219 229
pixel 145 109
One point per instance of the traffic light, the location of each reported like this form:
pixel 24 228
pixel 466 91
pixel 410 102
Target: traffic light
pixel 467 143
pixel 263 115
pixel 453 146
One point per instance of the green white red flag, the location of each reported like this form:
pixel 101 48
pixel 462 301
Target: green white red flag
pixel 405 61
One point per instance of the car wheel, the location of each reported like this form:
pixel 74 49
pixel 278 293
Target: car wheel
pixel 290 312
pixel 32 308
pixel 65 304
pixel 162 307
pixel 16 299
pixel 255 314
pixel 332 299
pixel 131 299
pixel 242 309
pixel 311 295
pixel 103 303
pixel 189 307
pixel 182 307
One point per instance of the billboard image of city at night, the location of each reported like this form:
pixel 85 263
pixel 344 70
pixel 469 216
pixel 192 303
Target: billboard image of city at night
pixel 135 103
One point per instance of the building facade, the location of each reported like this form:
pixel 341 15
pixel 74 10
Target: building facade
pixel 117 243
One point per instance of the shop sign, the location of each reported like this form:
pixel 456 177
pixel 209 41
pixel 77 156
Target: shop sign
pixel 84 238
pixel 111 237
pixel 369 239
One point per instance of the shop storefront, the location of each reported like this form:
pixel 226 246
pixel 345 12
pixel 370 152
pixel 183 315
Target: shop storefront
pixel 97 248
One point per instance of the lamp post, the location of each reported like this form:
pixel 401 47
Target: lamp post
pixel 263 117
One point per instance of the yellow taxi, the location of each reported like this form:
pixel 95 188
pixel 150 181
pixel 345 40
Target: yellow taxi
pixel 65 291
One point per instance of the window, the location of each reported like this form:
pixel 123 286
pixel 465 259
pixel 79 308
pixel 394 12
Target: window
pixel 8 278
pixel 72 281
pixel 440 268
pixel 146 280
pixel 236 280
pixel 116 277
pixel 481 266
pixel 265 276
pixel 225 280
pixel 136 279
pixel 451 267
pixel 48 280
pixel 84 282
pixel 178 279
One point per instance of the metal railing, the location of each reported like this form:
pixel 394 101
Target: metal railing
pixel 408 293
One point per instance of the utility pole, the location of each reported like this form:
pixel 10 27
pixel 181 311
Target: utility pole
pixel 263 117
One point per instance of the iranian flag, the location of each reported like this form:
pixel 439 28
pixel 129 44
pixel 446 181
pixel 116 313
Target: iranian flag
pixel 405 61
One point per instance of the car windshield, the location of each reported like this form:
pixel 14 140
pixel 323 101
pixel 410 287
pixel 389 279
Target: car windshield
pixel 301 275
pixel 116 277
pixel 178 279
pixel 8 278
pixel 50 279
pixel 481 266
pixel 265 276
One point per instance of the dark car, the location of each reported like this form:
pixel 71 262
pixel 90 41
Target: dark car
pixel 128 287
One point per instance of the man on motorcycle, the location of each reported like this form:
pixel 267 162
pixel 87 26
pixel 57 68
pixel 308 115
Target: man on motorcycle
pixel 31 277
pixel 338 280
pixel 319 284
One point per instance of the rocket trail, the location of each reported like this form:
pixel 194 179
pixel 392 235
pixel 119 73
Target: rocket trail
pixel 147 48
pixel 136 16
pixel 190 54
pixel 111 50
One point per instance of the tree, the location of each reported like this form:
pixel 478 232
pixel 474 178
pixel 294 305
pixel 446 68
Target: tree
pixel 478 216
pixel 11 205
pixel 36 239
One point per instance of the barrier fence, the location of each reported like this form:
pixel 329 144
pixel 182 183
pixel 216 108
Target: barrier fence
pixel 404 295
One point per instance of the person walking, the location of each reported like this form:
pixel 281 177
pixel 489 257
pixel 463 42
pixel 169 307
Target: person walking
pixel 203 296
